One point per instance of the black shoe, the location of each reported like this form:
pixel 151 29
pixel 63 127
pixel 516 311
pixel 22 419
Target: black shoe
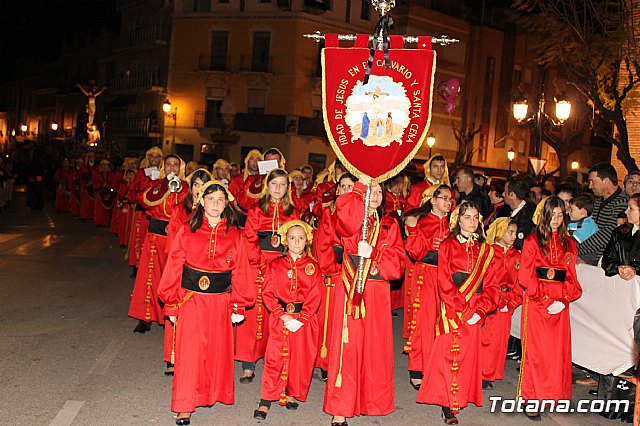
pixel 339 423
pixel 134 271
pixel 593 392
pixel 416 386
pixel 169 370
pixel 249 379
pixel 184 421
pixel 487 385
pixel 448 417
pixel 142 327
pixel 260 415
pixel 292 405
pixel 323 374
pixel 535 417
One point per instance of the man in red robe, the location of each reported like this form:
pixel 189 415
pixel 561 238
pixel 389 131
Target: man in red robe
pixel 435 171
pixel 86 186
pixel 252 188
pixel 104 194
pixel 326 192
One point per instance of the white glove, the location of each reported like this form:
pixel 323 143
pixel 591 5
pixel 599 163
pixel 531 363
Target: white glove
pixel 505 309
pixel 364 249
pixel 555 308
pixel 474 319
pixel 236 318
pixel 171 176
pixel 173 318
pixel 293 325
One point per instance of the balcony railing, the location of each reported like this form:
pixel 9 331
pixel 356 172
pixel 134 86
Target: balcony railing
pixel 208 63
pixel 208 119
pixel 134 81
pixel 152 34
pixel 134 126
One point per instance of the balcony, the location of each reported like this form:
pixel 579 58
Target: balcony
pixel 202 119
pixel 142 127
pixel 137 81
pixel 146 36
pixel 209 63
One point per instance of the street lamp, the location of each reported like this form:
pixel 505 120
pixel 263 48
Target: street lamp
pixel 166 107
pixel 511 155
pixel 431 142
pixel 575 165
pixel 520 113
pixel 23 128
pixel 54 126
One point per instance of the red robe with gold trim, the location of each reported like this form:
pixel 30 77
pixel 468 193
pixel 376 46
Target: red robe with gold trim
pixel 145 305
pixel 454 374
pixel 116 211
pixel 204 333
pixel 323 249
pixel 251 192
pixel 497 325
pixel 86 191
pixel 253 333
pixel 415 193
pixel 325 195
pixel 302 203
pixel 360 376
pixel 425 302
pixel 545 371
pixel 126 213
pixel 290 357
pixel 394 204
pixel 141 182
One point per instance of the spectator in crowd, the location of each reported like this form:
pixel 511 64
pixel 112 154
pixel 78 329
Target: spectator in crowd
pixel 610 201
pixel 566 192
pixel 496 196
pixel 515 194
pixel 632 183
pixel 481 181
pixel 535 193
pixel 622 219
pixel 581 225
pixel 470 191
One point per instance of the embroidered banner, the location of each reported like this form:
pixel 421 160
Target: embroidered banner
pixel 376 128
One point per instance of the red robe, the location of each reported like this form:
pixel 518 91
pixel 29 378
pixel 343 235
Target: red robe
pixel 253 333
pixel 141 183
pixel 204 333
pixel 360 375
pixel 250 193
pixel 415 193
pixel 394 204
pixel 101 212
pixel 116 211
pixel 302 203
pixel 63 194
pixel 545 371
pixel 324 196
pixel 145 305
pixel 73 183
pixel 325 245
pixel 423 287
pixel 497 325
pixel 290 357
pixel 126 213
pixel 236 184
pixel 454 374
pixel 87 202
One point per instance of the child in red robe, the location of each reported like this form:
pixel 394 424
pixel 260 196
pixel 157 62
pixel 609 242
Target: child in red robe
pixel 292 296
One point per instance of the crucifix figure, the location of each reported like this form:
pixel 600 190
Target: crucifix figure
pixel 377 92
pixel 91 92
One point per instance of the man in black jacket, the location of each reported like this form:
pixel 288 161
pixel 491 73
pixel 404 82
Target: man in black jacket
pixel 515 193
pixel 470 191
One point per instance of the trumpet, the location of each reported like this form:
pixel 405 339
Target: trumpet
pixel 175 184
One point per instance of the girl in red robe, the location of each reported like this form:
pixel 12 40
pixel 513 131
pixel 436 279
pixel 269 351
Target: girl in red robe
pixel 468 293
pixel 427 226
pixel 328 249
pixel 497 326
pixel 548 275
pixel 292 296
pixel 360 380
pixel 206 287
pixel 274 209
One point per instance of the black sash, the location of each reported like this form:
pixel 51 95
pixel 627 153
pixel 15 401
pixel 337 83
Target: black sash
pixel 157 226
pixel 338 251
pixel 291 308
pixel 460 277
pixel 431 258
pixel 205 282
pixel 140 207
pixel 355 259
pixel 242 218
pixel 267 241
pixel 551 274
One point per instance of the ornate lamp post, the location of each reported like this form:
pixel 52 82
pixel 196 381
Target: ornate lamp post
pixel 511 155
pixel 431 142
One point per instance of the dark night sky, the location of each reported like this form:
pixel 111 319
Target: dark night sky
pixel 38 29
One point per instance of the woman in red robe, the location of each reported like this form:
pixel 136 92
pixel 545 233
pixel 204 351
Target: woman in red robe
pixel 548 275
pixel 274 209
pixel 427 226
pixel 105 196
pixel 206 287
pixel 159 201
pixel 328 249
pixel 126 209
pixel 292 297
pixel 497 326
pixel 453 378
pixel 360 380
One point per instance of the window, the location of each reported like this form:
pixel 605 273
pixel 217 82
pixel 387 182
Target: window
pixel 223 1
pixel 260 56
pixel 365 12
pixel 202 6
pixel 483 148
pixel 212 116
pixel 219 44
pixel 256 100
